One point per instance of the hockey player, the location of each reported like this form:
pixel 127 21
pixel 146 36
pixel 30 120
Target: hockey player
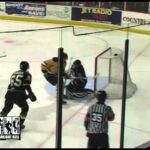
pixel 49 69
pixel 19 90
pixel 96 122
pixel 76 88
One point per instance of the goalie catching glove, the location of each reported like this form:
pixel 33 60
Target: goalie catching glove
pixel 32 97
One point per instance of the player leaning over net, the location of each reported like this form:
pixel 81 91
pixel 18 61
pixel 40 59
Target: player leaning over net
pixel 20 83
pixel 78 80
pixel 49 69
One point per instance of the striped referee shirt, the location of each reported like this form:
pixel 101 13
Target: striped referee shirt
pixel 97 118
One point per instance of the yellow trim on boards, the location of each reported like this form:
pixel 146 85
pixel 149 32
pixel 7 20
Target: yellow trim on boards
pixel 77 23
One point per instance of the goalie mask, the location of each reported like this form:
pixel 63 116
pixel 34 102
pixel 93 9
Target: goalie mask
pixel 24 65
pixel 76 63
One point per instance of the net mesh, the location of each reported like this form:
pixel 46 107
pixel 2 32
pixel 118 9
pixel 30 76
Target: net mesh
pixel 109 68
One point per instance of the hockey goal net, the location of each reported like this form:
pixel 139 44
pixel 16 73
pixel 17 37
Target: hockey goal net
pixel 109 74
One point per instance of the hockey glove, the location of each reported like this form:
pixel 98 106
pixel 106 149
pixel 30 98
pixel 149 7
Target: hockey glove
pixel 44 71
pixel 66 76
pixel 32 97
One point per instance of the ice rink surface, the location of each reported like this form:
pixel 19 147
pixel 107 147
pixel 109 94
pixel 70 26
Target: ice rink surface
pixel 38 46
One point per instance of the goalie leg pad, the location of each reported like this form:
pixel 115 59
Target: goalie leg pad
pixel 85 94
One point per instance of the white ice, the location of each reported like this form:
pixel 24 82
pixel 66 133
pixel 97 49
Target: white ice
pixel 40 124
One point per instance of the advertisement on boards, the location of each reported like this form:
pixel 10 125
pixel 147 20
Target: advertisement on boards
pixel 134 18
pixel 96 15
pixel 58 12
pixel 2 8
pixel 25 9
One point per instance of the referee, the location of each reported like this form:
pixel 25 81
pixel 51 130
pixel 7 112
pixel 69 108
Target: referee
pixel 96 122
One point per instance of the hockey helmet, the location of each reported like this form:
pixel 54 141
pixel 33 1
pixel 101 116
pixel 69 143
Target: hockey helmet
pixel 24 65
pixel 65 56
pixel 101 96
pixel 77 62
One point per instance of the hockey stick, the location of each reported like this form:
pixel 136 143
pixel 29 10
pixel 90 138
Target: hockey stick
pixel 68 70
pixel 92 77
pixel 3 55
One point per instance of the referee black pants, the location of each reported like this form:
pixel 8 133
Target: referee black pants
pixel 98 141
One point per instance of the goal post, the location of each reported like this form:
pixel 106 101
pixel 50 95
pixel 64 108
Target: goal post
pixel 109 71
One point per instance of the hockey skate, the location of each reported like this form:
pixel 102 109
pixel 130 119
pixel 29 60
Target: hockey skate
pixel 2 114
pixel 64 102
pixel 65 96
